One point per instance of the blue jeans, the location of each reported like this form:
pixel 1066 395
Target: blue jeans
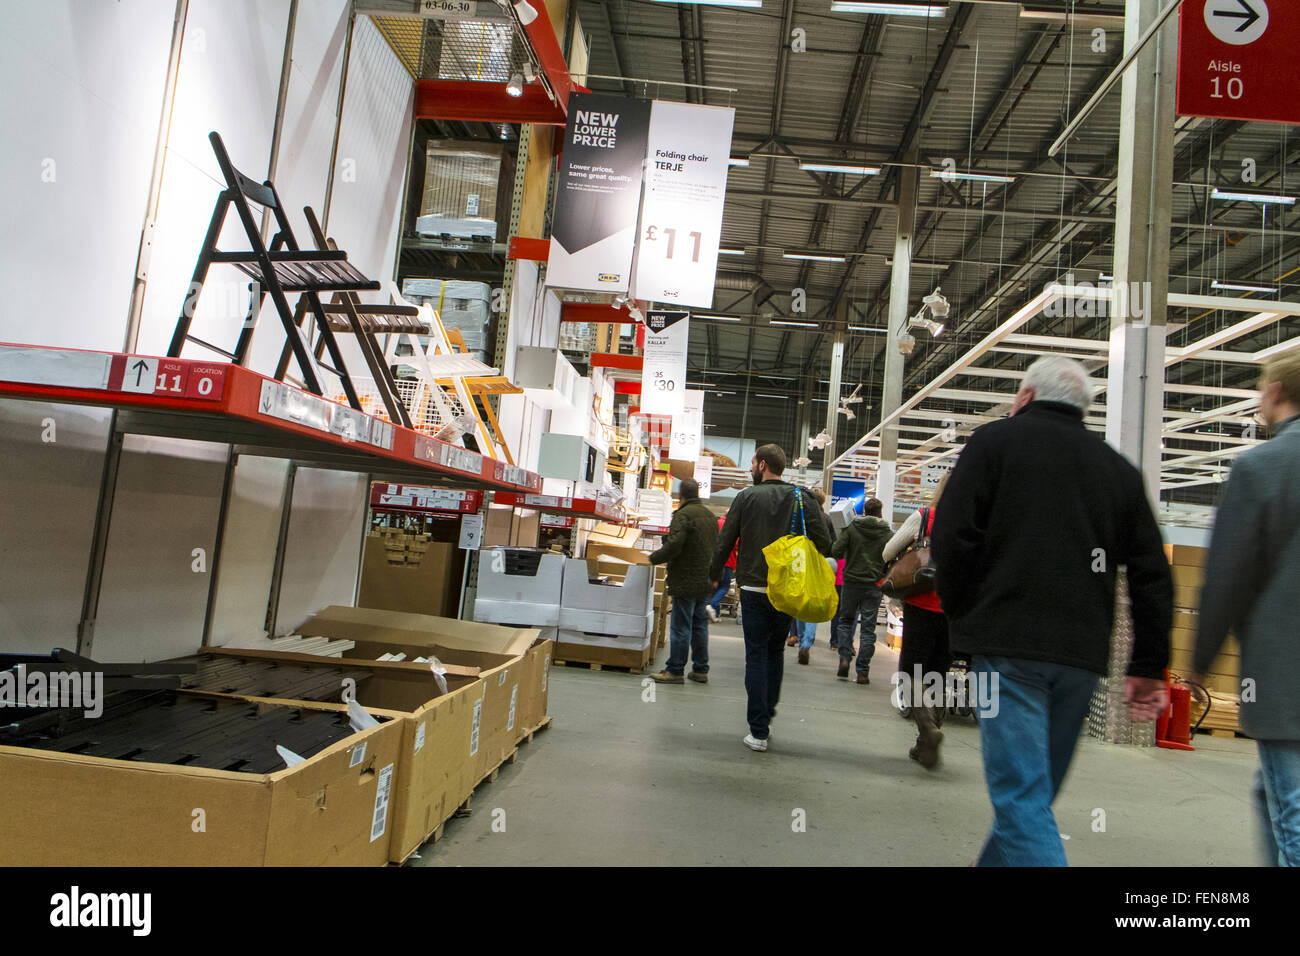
pixel 1028 747
pixel 765 631
pixel 688 634
pixel 807 633
pixel 857 602
pixel 723 587
pixel 1277 801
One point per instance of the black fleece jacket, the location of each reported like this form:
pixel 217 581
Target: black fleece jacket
pixel 759 516
pixel 1037 518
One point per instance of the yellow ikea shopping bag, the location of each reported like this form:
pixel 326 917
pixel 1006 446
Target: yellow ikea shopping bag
pixel 800 582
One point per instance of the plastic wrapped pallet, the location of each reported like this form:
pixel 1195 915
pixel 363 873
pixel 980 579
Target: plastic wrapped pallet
pixel 461 183
pixel 463 306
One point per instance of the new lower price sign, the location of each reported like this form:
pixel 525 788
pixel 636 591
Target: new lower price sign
pixel 1237 60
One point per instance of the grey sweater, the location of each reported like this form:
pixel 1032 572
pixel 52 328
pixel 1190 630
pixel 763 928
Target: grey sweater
pixel 1252 580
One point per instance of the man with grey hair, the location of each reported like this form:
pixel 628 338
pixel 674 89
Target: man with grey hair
pixel 1038 516
pixel 688 549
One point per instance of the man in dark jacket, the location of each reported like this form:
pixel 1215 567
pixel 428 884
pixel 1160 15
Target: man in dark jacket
pixel 1252 576
pixel 1037 518
pixel 759 516
pixel 688 549
pixel 860 545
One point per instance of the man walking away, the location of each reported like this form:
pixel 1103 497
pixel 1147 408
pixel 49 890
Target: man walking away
pixel 759 516
pixel 1038 516
pixel 860 545
pixel 1252 576
pixel 689 547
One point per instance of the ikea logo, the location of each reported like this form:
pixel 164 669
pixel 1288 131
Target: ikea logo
pixel 608 277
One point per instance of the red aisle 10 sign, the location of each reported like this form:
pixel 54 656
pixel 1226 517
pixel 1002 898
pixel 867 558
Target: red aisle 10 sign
pixel 1238 59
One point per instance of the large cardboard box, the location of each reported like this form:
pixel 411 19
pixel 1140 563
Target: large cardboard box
pixel 1187 598
pixel 613 610
pixel 512 699
pixel 432 778
pixel 527 600
pixel 424 582
pixel 1186 555
pixel 333 809
pixel 1188 577
pixel 570 639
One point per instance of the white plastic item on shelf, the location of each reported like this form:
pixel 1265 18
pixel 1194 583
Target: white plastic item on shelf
pixel 622 610
pixel 530 600
pixel 462 305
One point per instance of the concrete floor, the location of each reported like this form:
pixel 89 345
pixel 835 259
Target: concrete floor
pixel 620 780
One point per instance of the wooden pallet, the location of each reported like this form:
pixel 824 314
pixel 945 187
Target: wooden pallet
pixel 605 658
pixel 596 666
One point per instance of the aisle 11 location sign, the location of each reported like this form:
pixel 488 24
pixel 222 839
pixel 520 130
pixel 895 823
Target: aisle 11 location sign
pixel 663 369
pixel 1238 59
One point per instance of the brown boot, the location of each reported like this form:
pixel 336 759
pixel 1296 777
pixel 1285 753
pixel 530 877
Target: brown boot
pixel 928 738
pixel 803 655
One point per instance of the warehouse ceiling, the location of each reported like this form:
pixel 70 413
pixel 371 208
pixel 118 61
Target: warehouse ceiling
pixel 986 88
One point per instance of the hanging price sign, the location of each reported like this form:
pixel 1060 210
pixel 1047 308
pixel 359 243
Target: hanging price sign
pixel 663 371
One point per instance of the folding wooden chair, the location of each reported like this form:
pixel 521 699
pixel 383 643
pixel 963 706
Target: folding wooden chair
pixel 277 270
pixel 348 314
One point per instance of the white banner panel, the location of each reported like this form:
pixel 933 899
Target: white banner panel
pixel 687 425
pixel 681 214
pixel 663 372
pixel 704 475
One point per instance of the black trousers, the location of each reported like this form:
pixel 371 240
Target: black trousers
pixel 925 642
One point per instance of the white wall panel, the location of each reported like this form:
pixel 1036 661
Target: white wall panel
pixel 324 550
pixel 48 491
pixel 84 88
pixel 153 601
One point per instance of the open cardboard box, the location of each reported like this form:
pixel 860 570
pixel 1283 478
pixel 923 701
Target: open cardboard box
pixel 333 809
pixel 514 665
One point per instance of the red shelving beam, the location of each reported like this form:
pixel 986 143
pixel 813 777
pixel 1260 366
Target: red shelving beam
pixel 219 393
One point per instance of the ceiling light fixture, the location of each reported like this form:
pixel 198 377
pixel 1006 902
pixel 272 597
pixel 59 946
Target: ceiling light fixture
pixel 1105 278
pixel 1235 287
pixel 970 177
pixel 1253 197
pixel 738 161
pixel 762 395
pixel 813 257
pixel 833 167
pixel 716 318
pixel 863 328
pixel 802 325
pixel 751 4
pixel 932 266
pixel 738 251
pixel 890 9
pixel 1077 19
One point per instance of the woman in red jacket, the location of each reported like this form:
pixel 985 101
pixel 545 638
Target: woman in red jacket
pixel 728 572
pixel 925 648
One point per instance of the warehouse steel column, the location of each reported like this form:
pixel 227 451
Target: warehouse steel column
pixel 899 293
pixel 1139 305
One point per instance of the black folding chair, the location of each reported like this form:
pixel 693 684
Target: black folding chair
pixel 347 314
pixel 279 269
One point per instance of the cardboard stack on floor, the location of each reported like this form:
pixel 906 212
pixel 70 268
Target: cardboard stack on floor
pixel 1224 676
pixel 361 798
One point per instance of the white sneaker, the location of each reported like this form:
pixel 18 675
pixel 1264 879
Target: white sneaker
pixel 713 615
pixel 753 744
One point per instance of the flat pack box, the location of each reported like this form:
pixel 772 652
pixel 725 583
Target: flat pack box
pixel 621 610
pixel 1186 576
pixel 623 553
pixel 1187 598
pixel 422 580
pixel 513 666
pixel 520 598
pixel 333 809
pixel 570 640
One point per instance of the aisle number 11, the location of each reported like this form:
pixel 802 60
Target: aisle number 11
pixel 697 239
